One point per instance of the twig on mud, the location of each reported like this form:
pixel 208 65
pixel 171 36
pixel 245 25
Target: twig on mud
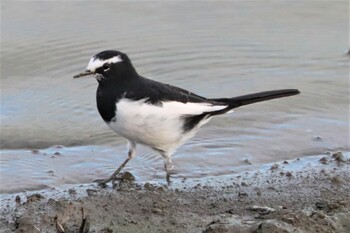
pixel 59 227
pixel 85 223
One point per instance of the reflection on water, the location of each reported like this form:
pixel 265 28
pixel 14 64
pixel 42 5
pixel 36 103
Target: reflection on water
pixel 214 49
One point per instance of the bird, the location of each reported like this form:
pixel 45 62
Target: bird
pixel 155 114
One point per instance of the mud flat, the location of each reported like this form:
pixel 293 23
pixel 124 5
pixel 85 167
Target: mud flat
pixel 311 194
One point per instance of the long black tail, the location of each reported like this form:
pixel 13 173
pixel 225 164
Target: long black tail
pixel 236 102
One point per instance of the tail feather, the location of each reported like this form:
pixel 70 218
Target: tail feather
pixel 239 101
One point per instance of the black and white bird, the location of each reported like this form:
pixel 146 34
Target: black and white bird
pixel 155 114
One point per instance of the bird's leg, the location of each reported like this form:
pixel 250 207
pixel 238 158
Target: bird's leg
pixel 168 165
pixel 131 154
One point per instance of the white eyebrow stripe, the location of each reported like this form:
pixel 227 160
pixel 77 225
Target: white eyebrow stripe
pixel 95 63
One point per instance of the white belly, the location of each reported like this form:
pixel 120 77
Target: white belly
pixel 159 127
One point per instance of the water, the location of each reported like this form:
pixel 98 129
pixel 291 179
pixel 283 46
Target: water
pixel 214 49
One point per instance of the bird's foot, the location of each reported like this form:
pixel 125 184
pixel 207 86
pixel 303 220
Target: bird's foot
pixel 103 182
pixel 168 178
pixel 113 177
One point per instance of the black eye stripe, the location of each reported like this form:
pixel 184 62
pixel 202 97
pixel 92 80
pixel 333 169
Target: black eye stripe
pixel 106 66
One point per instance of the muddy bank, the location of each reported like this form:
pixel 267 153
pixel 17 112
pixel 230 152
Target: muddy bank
pixel 281 198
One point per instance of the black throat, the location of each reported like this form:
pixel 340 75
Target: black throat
pixel 106 103
pixel 111 89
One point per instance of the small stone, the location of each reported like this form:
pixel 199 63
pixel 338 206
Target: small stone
pixel 57 153
pixel 156 210
pixel 160 189
pixel 338 156
pixel 336 180
pixel 52 173
pixel 127 176
pixel 288 220
pixel 263 210
pixel 274 167
pixel 323 160
pixel 247 161
pixel 244 184
pixel 321 205
pixel 272 225
pixel 18 200
pixel 285 162
pixel 159 205
pixel 91 192
pixel 106 230
pixel 334 206
pixel 148 186
pixel 34 197
pixel 242 194
pixel 319 215
pixel 72 191
pixel 318 139
pixel 35 151
pixel 289 174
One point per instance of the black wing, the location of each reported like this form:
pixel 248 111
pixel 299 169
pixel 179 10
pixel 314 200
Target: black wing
pixel 156 92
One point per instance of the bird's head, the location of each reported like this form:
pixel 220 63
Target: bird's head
pixel 108 65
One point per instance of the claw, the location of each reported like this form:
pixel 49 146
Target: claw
pixel 102 182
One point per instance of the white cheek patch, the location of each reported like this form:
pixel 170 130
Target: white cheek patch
pixel 95 63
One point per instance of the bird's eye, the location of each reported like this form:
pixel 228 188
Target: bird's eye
pixel 106 66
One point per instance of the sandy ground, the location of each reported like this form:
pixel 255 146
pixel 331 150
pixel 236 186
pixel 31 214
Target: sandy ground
pixel 281 198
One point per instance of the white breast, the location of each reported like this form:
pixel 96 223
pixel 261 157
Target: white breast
pixel 159 127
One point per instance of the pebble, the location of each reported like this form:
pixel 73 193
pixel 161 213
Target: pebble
pixel 321 205
pixel 148 186
pixel 247 161
pixel 91 192
pixel 336 180
pixel 72 191
pixel 18 200
pixel 127 176
pixel 156 211
pixel 262 209
pixel 274 167
pixel 35 197
pixel 323 160
pixel 338 156
pixel 244 184
pixel 159 205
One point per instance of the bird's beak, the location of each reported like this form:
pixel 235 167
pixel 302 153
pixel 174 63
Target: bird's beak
pixel 87 72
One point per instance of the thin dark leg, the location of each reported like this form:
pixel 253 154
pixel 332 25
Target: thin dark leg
pixel 168 178
pixel 113 176
pixel 168 164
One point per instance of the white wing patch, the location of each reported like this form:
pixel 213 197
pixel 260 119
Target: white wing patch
pixel 95 63
pixel 157 126
pixel 168 109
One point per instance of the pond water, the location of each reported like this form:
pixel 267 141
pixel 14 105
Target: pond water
pixel 52 134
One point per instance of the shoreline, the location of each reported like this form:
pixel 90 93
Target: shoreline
pixel 282 198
